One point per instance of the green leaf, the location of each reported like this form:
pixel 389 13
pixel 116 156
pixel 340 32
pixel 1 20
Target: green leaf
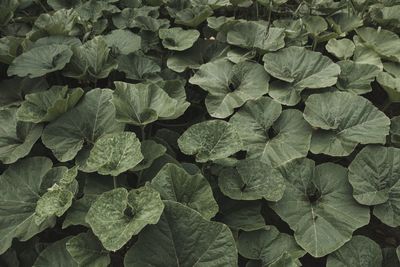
pixel 48 105
pixel 183 238
pixel 93 117
pixel 140 104
pixel 87 251
pixel 395 131
pixel 114 154
pixel 150 151
pixel 378 185
pixel 318 206
pixel 9 46
pixel 16 138
pixel 359 252
pixel 92 60
pixel 117 215
pixel 251 34
pixel 342 49
pixel 343 120
pixel 268 245
pixel 193 16
pixel 22 187
pixel 56 255
pixel 210 140
pixel 315 25
pixel 125 41
pixel 40 60
pixel 390 80
pixel 175 184
pixel 251 179
pixel 297 69
pixel 137 67
pixel 268 134
pixel 383 42
pixel 61 22
pixel 177 38
pixel 229 86
pixel 356 78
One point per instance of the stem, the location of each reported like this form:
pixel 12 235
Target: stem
pixel 139 180
pixel 143 132
pixel 315 42
pixel 115 182
pixel 256 6
pixel 42 6
pixel 386 105
pixel 269 15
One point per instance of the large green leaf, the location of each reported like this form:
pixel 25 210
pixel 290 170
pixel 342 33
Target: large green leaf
pixel 61 22
pixel 113 154
pixel 48 105
pixel 87 251
pixel 16 138
pixel 384 42
pixel 318 206
pixel 342 48
pixel 56 255
pixel 268 245
pixel 210 140
pixel 251 34
pixel 360 251
pixel 175 184
pixel 390 80
pixel 117 215
pixel 40 60
pixel 270 135
pixel 297 69
pixel 92 60
pixel 230 85
pixel 137 67
pixel 343 120
pixel 356 78
pixel 251 179
pixel 379 184
pixel 9 47
pixel 177 38
pixel 22 187
pixel 93 117
pixel 124 41
pixel 183 238
pixel 140 104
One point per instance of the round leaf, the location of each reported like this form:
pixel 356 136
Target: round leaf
pixel 125 41
pixel 210 140
pixel 318 206
pixel 177 38
pixel 183 238
pixel 343 120
pixel 55 255
pixel 342 48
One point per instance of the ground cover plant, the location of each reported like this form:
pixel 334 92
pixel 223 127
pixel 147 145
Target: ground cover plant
pixel 180 133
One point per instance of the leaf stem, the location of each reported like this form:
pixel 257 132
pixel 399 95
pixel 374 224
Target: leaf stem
pixel 143 132
pixel 115 182
pixel 269 15
pixel 256 6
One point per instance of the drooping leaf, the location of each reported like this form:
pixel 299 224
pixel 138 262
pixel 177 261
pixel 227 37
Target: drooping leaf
pixel 210 140
pixel 56 255
pixel 360 251
pixel 183 238
pixel 251 34
pixel 22 187
pixel 297 69
pixel 40 60
pixel 151 151
pixel 175 184
pixel 291 134
pixel 177 38
pixel 343 120
pixel 48 105
pixel 268 245
pixel 379 184
pixel 141 104
pixel 125 41
pixel 16 137
pixel 117 215
pixel 61 22
pixel 230 85
pixel 384 42
pixel 356 78
pixel 390 80
pixel 318 206
pixel 251 179
pixel 113 154
pixel 93 117
pixel 87 251
pixel 92 60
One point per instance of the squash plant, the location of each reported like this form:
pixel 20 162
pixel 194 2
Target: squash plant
pixel 166 133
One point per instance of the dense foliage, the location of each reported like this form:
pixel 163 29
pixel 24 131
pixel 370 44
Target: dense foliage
pixel 180 133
